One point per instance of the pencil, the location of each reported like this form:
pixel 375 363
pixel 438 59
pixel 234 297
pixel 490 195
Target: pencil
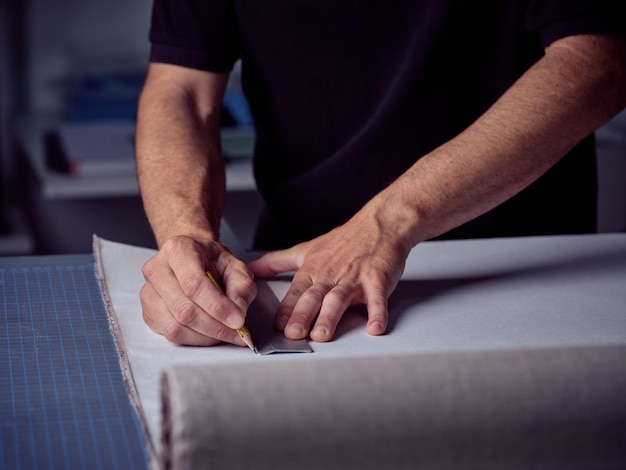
pixel 243 332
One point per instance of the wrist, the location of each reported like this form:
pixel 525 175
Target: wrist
pixel 200 230
pixel 395 217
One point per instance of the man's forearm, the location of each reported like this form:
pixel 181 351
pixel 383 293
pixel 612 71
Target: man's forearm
pixel 574 89
pixel 180 168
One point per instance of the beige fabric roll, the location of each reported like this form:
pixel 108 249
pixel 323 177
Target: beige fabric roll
pixel 527 409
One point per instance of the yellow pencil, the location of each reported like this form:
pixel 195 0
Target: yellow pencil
pixel 243 332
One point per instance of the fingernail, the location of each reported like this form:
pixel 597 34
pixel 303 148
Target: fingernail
pixel 234 320
pixel 242 304
pixel 376 327
pixel 320 331
pixel 296 330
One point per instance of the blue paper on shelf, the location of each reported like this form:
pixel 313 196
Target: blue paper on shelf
pixel 105 97
pixel 237 105
pixel 64 402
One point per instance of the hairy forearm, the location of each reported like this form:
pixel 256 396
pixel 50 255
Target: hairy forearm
pixel 180 168
pixel 575 88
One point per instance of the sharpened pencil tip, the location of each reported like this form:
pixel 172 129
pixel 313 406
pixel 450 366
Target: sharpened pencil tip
pixel 244 334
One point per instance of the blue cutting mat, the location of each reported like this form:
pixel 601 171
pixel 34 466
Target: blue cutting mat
pixel 63 403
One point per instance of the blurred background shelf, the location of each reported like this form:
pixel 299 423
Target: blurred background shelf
pixel 84 61
pixel 63 211
pixel 30 133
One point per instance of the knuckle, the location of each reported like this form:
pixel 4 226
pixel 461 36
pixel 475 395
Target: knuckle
pixel 251 291
pixel 283 313
pixel 247 289
pixel 379 278
pixel 216 311
pixel 296 291
pixel 303 317
pixel 248 272
pixel 171 245
pixel 174 333
pixel 221 332
pixel 184 313
pixel 333 303
pixel 340 292
pixel 315 294
pixel 148 270
pixel 250 286
pixel 378 303
pixel 191 286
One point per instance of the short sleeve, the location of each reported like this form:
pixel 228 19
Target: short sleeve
pixel 201 34
pixel 555 19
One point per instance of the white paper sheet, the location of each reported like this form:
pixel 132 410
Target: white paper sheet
pixel 470 295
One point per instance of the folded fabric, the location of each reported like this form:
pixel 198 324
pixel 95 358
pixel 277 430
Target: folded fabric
pixel 555 408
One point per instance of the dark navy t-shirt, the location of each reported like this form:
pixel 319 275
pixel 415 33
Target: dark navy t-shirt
pixel 347 94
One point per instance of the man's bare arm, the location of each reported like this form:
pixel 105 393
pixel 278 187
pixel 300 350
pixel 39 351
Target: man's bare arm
pixel 576 87
pixel 182 181
pixel 180 166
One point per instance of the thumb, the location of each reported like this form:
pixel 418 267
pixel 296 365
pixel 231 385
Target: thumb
pixel 273 263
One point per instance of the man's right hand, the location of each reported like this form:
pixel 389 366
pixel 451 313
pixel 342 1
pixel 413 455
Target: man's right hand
pixel 181 303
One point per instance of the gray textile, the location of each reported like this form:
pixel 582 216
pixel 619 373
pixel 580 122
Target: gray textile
pixel 548 408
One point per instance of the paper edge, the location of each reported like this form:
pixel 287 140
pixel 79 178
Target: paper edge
pixel 154 461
